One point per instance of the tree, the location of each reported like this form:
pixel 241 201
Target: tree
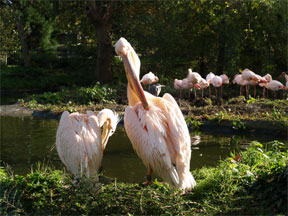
pixel 34 23
pixel 99 13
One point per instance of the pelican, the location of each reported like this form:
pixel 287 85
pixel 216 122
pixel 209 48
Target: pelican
pixel 155 127
pixel 149 79
pixel 79 142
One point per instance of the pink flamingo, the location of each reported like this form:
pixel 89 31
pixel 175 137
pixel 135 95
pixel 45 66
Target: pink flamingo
pixel 225 81
pixel 249 75
pixel 217 82
pixel 178 85
pixel 194 78
pixel 239 81
pixel 209 80
pixel 275 86
pixel 203 84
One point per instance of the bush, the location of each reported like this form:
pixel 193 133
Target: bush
pixel 251 182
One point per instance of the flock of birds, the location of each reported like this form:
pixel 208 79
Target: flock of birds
pixel 194 81
pixel 155 126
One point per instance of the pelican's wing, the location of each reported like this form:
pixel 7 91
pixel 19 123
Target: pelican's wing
pixel 147 134
pixel 180 140
pixel 78 143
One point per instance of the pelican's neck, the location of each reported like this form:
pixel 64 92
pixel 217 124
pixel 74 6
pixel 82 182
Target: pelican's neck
pixel 132 97
pixel 103 117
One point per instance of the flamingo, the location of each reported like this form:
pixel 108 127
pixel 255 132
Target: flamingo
pixel 249 76
pixel 178 85
pixel 274 86
pixel 225 81
pixel 217 82
pixel 79 142
pixel 239 81
pixel 194 78
pixel 149 79
pixel 203 84
pixel 209 80
pixel 155 127
pixel 261 81
pixel 187 85
pixel 285 75
pixel 268 78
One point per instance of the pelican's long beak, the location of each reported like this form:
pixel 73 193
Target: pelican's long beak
pixel 131 64
pixel 134 81
pixel 105 134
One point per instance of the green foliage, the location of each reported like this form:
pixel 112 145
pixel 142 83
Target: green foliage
pixel 251 182
pixel 251 100
pixel 68 98
pixel 238 125
pixel 237 182
pixel 218 36
pixel 196 125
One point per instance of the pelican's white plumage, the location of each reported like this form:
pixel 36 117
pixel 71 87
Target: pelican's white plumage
pixel 79 143
pixel 157 129
pixel 149 79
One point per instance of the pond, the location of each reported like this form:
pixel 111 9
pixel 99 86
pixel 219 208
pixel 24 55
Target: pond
pixel 27 140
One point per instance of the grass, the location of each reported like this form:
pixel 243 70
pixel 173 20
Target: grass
pixel 70 99
pixel 253 182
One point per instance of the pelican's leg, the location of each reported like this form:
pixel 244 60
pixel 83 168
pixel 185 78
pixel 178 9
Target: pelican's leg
pixel 202 92
pixel 189 94
pixel 263 92
pixel 240 90
pixel 216 91
pixel 254 91
pixel 195 95
pixel 148 177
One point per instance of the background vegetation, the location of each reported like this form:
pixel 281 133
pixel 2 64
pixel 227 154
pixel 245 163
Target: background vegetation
pixel 62 43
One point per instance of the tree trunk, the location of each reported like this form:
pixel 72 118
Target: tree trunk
pixel 105 48
pixel 221 48
pixel 24 44
pixel 221 57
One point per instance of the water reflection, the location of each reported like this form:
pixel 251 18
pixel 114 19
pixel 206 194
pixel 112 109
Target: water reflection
pixel 27 140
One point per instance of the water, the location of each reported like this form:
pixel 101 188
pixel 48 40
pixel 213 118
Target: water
pixel 27 140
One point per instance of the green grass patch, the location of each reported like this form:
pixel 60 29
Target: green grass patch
pixel 253 182
pixel 69 99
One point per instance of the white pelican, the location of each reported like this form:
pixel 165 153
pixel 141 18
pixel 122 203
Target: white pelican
pixel 155 127
pixel 149 79
pixel 79 142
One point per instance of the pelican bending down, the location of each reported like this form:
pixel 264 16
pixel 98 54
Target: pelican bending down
pixel 79 142
pixel 155 127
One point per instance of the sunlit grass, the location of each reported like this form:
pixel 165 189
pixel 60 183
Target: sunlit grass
pixel 253 182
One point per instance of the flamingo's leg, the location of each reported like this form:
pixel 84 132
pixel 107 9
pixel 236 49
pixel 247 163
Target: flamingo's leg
pixel 209 91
